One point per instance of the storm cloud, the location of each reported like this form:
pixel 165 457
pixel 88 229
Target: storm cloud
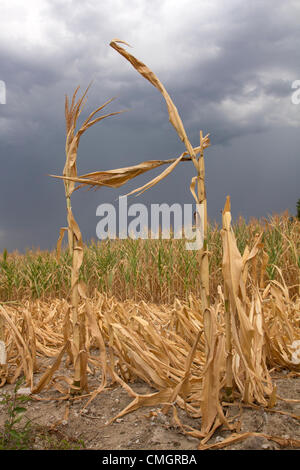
pixel 228 66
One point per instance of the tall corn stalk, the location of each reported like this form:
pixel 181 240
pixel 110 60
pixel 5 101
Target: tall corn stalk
pixel 246 366
pixel 228 332
pixel 201 225
pixel 116 178
pixel 72 113
pixel 200 197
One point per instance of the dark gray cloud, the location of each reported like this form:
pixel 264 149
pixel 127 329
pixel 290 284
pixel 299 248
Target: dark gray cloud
pixel 228 66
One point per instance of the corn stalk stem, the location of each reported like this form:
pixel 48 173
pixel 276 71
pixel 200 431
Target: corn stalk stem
pixel 204 262
pixel 73 246
pixel 75 319
pixel 69 209
pixel 72 112
pixel 228 348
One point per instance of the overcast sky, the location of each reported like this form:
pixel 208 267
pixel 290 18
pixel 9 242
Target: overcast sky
pixel 228 66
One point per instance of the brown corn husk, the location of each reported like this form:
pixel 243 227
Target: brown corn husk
pixel 117 177
pixel 245 321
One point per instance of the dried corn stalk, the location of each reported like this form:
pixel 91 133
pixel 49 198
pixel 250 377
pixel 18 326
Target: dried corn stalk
pixel 72 113
pixel 244 322
pixel 184 368
pixel 116 178
pixel 119 176
pixel 200 198
pixel 160 345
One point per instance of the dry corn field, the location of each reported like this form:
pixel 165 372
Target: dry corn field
pixel 155 334
pixel 156 271
pixel 197 340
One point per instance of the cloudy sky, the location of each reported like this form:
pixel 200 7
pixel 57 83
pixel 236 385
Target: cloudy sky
pixel 228 65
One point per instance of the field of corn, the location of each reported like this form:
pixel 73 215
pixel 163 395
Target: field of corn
pixel 157 271
pixel 204 328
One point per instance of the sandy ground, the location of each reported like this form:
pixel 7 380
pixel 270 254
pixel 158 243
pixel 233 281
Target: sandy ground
pixel 149 429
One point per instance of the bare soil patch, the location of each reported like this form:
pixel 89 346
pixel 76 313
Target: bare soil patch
pixel 149 429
